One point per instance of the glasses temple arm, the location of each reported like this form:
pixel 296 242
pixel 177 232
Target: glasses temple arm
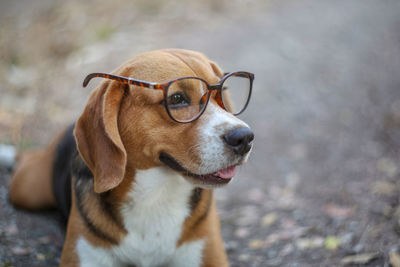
pixel 243 74
pixel 125 80
pixel 88 78
pixel 104 75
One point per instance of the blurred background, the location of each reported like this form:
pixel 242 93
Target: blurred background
pixel 322 186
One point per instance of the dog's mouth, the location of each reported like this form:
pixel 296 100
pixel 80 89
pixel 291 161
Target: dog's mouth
pixel 219 177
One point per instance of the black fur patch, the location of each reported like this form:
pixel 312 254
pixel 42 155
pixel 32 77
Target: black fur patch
pixel 67 164
pixel 195 198
pixel 61 173
pixel 83 187
pixel 109 209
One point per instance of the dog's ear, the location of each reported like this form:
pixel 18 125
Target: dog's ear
pixel 98 139
pixel 217 70
pixel 227 103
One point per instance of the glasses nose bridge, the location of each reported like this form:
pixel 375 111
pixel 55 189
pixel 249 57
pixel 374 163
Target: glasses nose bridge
pixel 218 96
pixel 214 87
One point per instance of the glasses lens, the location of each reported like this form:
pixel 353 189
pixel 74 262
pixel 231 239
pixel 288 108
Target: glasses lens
pixel 235 93
pixel 186 99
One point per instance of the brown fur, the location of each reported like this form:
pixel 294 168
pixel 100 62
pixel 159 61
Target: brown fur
pixel 31 186
pixel 123 129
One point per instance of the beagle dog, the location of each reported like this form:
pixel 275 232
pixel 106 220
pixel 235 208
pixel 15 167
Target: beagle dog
pixel 134 176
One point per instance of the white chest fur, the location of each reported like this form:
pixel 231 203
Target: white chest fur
pixel 153 217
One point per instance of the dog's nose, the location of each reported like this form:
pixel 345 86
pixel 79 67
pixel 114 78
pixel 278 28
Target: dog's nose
pixel 239 140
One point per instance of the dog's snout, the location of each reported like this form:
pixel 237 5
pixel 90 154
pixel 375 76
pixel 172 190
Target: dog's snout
pixel 239 140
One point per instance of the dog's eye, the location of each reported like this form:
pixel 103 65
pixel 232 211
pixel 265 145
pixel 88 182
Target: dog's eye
pixel 178 99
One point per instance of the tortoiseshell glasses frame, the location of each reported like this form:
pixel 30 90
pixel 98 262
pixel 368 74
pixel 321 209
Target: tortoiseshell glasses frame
pixel 203 100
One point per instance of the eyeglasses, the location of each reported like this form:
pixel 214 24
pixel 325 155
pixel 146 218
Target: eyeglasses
pixel 186 98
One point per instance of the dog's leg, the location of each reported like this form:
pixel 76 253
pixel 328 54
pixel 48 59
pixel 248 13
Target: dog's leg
pixel 31 182
pixel 214 252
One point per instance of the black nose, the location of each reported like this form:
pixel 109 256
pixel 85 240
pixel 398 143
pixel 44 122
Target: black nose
pixel 239 140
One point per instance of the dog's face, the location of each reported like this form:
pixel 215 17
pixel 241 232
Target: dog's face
pixel 148 137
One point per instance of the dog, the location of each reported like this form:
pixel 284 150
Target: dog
pixel 134 175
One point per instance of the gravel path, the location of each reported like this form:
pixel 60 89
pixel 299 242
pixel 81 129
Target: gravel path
pixel 322 184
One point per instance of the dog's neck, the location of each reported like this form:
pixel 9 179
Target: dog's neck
pixel 145 192
pixel 157 185
pixel 156 205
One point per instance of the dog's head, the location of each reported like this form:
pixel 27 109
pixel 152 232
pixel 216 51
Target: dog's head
pixel 127 127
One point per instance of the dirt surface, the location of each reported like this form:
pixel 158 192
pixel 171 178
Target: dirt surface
pixel 322 186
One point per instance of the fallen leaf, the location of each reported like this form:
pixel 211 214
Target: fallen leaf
pixel 360 258
pixel 20 251
pixel 338 212
pixel 242 232
pixel 44 240
pixel 256 195
pixel 285 235
pixel 244 257
pixel 256 244
pixel 288 223
pixel 331 243
pixel 287 249
pixel 388 211
pixel 40 256
pixel 249 215
pixel 310 243
pixel 384 188
pixel 394 259
pixel 269 219
pixel 387 166
pixel 10 230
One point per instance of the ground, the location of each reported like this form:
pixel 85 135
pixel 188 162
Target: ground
pixel 322 185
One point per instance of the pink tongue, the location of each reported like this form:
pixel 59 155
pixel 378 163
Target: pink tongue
pixel 227 173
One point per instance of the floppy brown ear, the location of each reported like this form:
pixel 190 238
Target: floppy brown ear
pixel 97 136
